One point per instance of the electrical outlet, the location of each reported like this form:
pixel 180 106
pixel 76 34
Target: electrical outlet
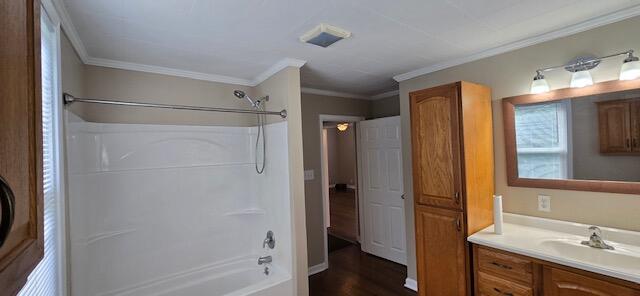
pixel 544 203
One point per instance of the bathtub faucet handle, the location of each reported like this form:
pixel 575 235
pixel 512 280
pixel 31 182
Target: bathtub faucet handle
pixel 270 240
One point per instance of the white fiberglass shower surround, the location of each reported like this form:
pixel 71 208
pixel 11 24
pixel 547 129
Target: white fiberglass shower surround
pixel 177 210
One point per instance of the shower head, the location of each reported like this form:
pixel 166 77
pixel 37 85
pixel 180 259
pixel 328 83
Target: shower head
pixel 241 95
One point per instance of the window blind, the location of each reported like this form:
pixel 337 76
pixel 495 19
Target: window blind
pixel 43 281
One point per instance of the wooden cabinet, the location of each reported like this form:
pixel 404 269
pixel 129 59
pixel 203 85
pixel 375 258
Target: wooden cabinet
pixel 559 282
pixel 21 231
pixel 635 126
pixel 441 248
pixel 437 147
pixel 452 150
pixel 501 273
pixel 619 126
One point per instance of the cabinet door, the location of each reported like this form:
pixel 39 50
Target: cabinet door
pixel 635 126
pixel 615 128
pixel 21 230
pixel 435 137
pixel 563 283
pixel 441 252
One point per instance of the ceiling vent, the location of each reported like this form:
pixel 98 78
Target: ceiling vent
pixel 324 35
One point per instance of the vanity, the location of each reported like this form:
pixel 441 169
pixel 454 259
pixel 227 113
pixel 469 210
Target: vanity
pixel 583 139
pixel 537 256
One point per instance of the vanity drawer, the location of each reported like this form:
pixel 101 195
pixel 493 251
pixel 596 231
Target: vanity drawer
pixel 505 265
pixel 489 285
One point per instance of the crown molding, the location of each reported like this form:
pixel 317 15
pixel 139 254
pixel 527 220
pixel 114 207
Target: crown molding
pixel 284 63
pixel 323 92
pixel 78 45
pixel 386 94
pixel 70 29
pixel 167 71
pixel 566 31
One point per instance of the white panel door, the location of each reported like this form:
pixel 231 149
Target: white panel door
pixel 380 157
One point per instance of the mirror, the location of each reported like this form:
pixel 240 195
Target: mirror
pixel 580 139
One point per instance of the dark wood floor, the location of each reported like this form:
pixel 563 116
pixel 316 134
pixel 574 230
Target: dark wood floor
pixel 344 217
pixel 354 273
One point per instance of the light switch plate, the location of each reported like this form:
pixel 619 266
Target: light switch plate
pixel 309 175
pixel 544 203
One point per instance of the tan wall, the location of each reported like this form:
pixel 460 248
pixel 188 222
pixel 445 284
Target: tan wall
pixel 109 83
pixel 341 156
pixel 346 156
pixel 72 72
pixel 385 107
pixel 284 90
pixel 312 107
pixel 510 74
pixel 332 154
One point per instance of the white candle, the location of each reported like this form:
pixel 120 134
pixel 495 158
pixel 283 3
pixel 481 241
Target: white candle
pixel 497 214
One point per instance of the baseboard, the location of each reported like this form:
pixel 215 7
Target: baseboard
pixel 318 268
pixel 410 283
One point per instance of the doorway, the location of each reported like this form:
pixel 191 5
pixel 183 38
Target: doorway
pixel 339 181
pixel 363 195
pixel 340 140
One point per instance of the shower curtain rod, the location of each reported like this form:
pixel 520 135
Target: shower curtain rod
pixel 69 99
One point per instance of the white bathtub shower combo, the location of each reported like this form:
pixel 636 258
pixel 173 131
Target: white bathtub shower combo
pixel 177 210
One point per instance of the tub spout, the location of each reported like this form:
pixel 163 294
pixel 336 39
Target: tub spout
pixel 264 260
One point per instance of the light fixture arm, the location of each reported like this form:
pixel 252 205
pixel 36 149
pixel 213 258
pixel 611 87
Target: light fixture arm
pixel 595 61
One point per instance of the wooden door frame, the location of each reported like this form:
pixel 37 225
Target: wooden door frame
pixel 325 206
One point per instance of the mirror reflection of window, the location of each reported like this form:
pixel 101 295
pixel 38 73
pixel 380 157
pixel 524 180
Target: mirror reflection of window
pixel 543 140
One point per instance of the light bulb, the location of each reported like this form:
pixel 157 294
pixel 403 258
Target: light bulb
pixel 539 84
pixel 343 126
pixel 581 79
pixel 630 69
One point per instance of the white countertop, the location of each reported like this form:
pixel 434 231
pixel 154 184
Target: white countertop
pixel 559 242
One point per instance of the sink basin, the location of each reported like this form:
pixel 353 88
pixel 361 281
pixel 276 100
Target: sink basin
pixel 620 258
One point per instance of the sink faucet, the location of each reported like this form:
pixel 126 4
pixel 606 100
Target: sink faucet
pixel 595 240
pixel 264 259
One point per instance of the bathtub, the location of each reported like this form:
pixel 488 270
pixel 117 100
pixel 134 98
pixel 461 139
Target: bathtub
pixel 238 277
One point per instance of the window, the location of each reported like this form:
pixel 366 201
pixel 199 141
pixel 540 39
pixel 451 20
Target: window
pixel 543 140
pixel 46 277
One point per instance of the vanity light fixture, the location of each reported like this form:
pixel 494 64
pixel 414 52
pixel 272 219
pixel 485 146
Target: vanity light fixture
pixel 539 84
pixel 630 68
pixel 580 66
pixel 343 126
pixel 581 79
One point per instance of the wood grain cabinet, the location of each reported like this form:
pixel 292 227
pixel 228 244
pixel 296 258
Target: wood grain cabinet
pixel 452 150
pixel 500 273
pixel 619 126
pixel 21 228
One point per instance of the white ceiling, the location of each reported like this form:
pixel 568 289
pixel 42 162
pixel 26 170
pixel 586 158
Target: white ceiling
pixel 244 38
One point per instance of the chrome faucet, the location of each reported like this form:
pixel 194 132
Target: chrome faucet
pixel 264 260
pixel 270 240
pixel 595 240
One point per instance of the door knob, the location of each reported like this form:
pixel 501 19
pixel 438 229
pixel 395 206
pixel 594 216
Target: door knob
pixel 7 202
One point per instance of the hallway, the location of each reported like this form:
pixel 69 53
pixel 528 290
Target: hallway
pixel 353 273
pixel 344 216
